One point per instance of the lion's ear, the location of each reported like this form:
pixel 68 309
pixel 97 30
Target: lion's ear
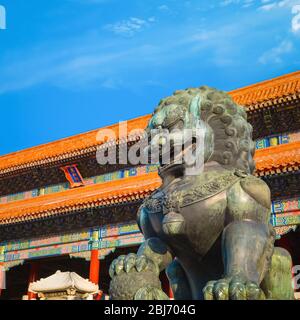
pixel 258 190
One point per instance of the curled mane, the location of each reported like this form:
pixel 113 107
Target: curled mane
pixel 233 144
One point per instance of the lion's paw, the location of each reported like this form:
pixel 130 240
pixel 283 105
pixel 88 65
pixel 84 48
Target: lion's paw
pixel 134 278
pixel 130 263
pixel 234 288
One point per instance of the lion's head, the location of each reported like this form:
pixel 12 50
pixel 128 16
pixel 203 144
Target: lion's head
pixel 228 135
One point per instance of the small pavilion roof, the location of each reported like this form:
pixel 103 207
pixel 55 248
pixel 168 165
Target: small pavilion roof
pixel 62 281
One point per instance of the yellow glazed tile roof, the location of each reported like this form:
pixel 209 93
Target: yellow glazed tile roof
pixel 98 195
pixel 277 159
pixel 280 87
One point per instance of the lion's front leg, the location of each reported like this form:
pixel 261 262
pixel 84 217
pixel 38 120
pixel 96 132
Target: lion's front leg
pixel 244 255
pixel 247 243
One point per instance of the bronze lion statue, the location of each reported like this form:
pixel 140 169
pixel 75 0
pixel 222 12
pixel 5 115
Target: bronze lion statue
pixel 210 231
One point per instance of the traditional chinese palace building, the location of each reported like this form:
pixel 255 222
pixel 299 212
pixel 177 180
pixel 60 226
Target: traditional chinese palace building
pixel 61 210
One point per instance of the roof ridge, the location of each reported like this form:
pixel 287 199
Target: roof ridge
pixel 69 137
pixel 265 83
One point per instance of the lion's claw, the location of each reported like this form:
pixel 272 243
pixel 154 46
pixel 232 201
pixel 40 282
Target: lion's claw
pixel 208 291
pixel 254 292
pixel 119 266
pixel 129 263
pixel 150 293
pixel 232 289
pixel 141 263
pixel 237 290
pixel 221 289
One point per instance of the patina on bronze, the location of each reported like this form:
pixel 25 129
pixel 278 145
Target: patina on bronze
pixel 211 231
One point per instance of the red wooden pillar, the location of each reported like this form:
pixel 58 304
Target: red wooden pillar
pixel 33 273
pixel 1 275
pixel 94 267
pixel 166 285
pixel 2 271
pixel 94 262
pixel 171 295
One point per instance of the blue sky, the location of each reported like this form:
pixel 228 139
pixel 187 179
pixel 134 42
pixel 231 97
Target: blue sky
pixel 69 66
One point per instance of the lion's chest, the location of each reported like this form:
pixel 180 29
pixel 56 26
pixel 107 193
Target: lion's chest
pixel 191 215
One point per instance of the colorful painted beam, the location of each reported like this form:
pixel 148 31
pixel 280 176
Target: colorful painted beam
pixel 108 238
pixel 287 219
pixel 277 139
pixel 112 176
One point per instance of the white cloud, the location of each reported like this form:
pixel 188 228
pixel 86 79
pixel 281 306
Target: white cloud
pixel 269 6
pixel 247 3
pixel 91 1
pixel 96 59
pixel 152 19
pixel 129 27
pixel 286 3
pixel 293 5
pixel 226 3
pixel 92 61
pixel 163 7
pixel 243 3
pixel 275 54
